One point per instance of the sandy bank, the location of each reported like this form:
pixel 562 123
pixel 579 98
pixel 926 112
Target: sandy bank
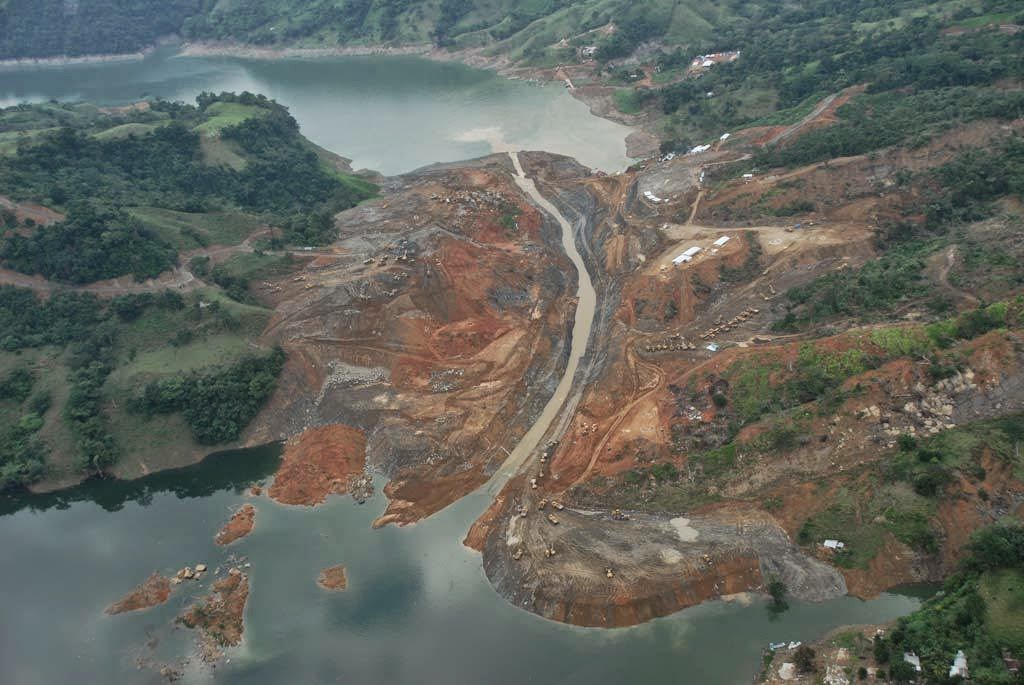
pixel 256 52
pixel 65 61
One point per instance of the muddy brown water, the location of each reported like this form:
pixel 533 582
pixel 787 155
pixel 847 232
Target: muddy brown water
pixel 566 394
pixel 418 608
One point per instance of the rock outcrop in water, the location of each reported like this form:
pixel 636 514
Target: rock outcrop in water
pixel 333 578
pixel 154 591
pixel 238 526
pixel 218 617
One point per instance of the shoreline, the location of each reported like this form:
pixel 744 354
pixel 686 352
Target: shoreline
pixel 638 142
pixel 469 58
pixel 68 61
pixel 243 51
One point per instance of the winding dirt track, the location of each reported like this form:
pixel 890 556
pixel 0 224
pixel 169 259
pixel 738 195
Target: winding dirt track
pixel 640 393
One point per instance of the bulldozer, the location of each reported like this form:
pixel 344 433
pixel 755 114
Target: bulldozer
pixel 608 572
pixel 518 554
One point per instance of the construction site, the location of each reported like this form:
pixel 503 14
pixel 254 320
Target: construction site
pixel 436 330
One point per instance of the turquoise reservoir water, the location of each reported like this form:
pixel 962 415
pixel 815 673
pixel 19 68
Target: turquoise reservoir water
pixel 392 114
pixel 418 608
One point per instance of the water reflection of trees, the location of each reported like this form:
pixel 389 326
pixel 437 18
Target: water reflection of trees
pixel 233 470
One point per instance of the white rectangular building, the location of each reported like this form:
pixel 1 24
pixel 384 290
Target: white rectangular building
pixel 687 255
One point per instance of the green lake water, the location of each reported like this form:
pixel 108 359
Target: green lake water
pixel 418 608
pixel 392 114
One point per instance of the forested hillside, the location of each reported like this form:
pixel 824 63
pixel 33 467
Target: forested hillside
pixel 789 53
pixel 188 204
pixel 47 28
pixel 532 31
pixel 229 153
pixel 57 27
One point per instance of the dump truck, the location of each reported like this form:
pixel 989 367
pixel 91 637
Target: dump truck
pixel 541 504
pixel 557 505
pixel 553 519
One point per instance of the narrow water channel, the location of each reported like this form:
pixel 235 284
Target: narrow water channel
pixel 582 323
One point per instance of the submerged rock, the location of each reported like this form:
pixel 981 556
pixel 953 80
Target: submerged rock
pixel 333 578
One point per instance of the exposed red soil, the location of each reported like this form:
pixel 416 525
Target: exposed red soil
pixel 628 414
pixel 476 538
pixel 318 463
pixel 238 526
pixel 894 564
pixel 417 498
pixel 333 578
pixel 962 511
pixel 838 189
pixel 639 604
pixel 42 216
pixel 448 332
pixel 154 591
pixel 219 616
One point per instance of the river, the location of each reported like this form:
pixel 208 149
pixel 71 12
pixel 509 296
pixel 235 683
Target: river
pixel 418 608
